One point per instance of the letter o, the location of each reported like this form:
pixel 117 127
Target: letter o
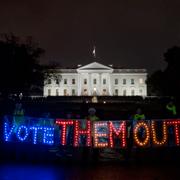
pixel 19 135
pixel 136 139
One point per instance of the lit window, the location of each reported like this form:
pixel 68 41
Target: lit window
pixel 104 81
pixel 116 92
pixel 141 81
pixel 85 91
pixel 132 81
pixel 132 92
pixel 94 81
pixel 73 81
pixel 124 81
pixel 57 92
pixel 49 92
pixel 116 81
pixel 65 81
pixel 124 92
pixel 104 91
pixel 65 92
pixel 73 92
pixel 49 81
pixel 94 92
pixel 85 81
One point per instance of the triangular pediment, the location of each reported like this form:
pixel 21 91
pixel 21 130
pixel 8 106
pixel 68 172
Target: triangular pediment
pixel 95 66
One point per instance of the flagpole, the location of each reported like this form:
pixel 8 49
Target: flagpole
pixel 94 52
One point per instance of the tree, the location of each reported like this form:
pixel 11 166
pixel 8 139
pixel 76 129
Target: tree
pixel 52 72
pixel 155 83
pixel 172 72
pixel 20 68
pixel 167 82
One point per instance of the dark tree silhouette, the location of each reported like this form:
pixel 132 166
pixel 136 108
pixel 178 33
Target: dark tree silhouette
pixel 155 83
pixel 172 72
pixel 52 71
pixel 167 82
pixel 19 66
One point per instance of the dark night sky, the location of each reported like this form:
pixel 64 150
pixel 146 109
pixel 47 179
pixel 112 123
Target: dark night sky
pixel 127 33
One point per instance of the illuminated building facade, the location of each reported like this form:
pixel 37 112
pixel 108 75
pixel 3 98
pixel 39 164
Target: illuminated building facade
pixel 97 79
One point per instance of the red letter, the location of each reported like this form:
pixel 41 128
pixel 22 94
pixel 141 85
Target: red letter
pixel 121 131
pixel 64 124
pixel 78 132
pixel 154 134
pixel 176 128
pixel 97 135
pixel 139 125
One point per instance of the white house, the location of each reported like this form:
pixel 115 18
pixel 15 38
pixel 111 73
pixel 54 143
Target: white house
pixel 97 79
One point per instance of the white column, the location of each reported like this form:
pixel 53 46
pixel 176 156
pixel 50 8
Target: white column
pixel 97 84
pixel 88 82
pixel 100 84
pixel 110 89
pixel 79 84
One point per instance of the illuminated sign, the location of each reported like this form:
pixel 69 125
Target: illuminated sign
pixel 99 134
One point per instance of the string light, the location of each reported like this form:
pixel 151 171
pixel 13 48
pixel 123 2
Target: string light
pixel 154 134
pixel 19 133
pixel 99 135
pixel 104 132
pixel 78 132
pixel 35 130
pixel 175 123
pixel 136 129
pixel 48 134
pixel 64 124
pixel 6 133
pixel 121 132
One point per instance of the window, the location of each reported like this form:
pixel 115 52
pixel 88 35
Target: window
pixel 124 92
pixel 104 91
pixel 65 92
pixel 94 81
pixel 132 81
pixel 65 81
pixel 49 81
pixel 141 81
pixel 57 81
pixel 85 81
pixel 94 92
pixel 116 92
pixel 104 81
pixel 73 81
pixel 116 81
pixel 124 81
pixel 73 92
pixel 49 92
pixel 85 92
pixel 57 92
pixel 132 92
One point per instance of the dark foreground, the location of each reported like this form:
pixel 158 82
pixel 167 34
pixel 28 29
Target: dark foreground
pixel 26 163
pixel 125 171
pixel 145 164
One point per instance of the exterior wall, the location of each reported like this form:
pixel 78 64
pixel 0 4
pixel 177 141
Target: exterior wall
pixel 139 87
pixel 105 84
pixel 61 86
